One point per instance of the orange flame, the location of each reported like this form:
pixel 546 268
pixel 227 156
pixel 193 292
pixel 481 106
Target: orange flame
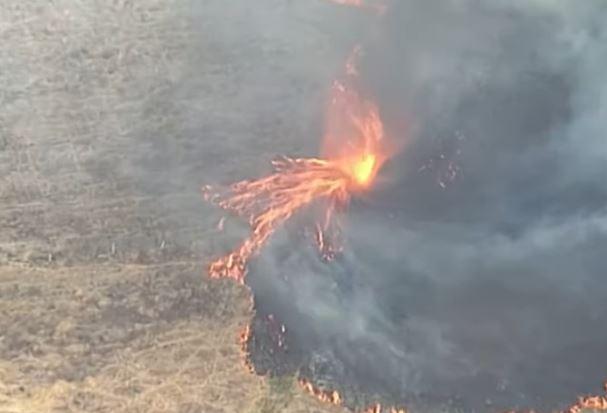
pixel 269 202
pixel 592 403
pixel 333 397
pixel 596 403
pixel 243 340
pixel 325 396
pixel 354 150
pixel 354 136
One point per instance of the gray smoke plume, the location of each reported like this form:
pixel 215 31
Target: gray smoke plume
pixel 474 275
pixel 473 272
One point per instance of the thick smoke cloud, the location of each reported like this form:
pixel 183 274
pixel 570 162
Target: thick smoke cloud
pixel 485 290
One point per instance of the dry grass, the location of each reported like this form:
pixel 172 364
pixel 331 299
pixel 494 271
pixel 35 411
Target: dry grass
pixel 102 304
pixel 98 351
pixel 76 78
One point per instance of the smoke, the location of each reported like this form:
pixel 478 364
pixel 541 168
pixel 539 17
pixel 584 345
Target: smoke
pixel 472 275
pixel 482 287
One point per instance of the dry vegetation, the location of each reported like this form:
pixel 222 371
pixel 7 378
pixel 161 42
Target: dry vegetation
pixel 124 339
pixel 102 304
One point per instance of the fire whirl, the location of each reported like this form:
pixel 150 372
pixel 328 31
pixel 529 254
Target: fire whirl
pixel 355 149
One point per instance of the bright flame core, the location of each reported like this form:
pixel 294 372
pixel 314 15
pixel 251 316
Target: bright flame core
pixel 353 151
pixel 354 133
pixel 363 169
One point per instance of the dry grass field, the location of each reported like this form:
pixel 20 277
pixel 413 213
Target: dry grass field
pixel 103 303
pixel 129 338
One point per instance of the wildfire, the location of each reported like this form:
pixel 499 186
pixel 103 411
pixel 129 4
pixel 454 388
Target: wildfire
pixel 333 397
pixel 243 340
pixel 325 396
pixel 596 403
pixel 354 149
